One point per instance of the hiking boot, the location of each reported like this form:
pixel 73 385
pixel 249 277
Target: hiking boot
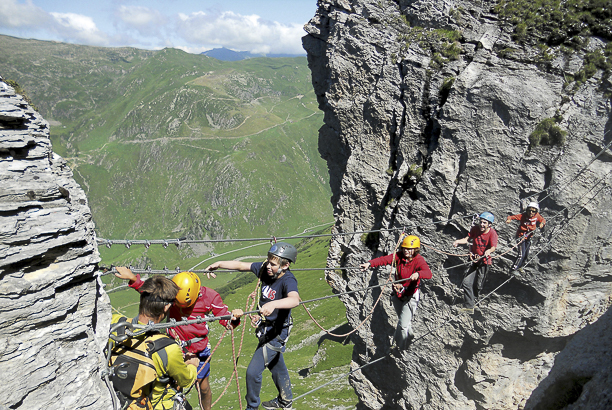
pixel 274 404
pixel 394 350
pixel 516 273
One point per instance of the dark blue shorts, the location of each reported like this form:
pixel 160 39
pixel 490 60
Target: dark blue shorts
pixel 203 369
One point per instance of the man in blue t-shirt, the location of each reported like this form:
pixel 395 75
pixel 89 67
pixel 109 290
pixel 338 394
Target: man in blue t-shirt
pixel 279 294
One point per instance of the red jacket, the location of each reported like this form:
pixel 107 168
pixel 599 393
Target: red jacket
pixel 527 224
pixel 208 301
pixel 404 269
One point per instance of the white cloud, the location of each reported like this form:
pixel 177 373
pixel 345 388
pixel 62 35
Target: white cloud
pixel 238 32
pixel 144 20
pixel 21 15
pixel 149 28
pixel 77 27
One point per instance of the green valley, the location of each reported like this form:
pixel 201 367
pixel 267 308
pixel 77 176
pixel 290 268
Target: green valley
pixel 168 144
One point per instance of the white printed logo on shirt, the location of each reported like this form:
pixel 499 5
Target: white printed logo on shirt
pixel 268 292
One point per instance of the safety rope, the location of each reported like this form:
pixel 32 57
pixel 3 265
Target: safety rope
pixel 543 247
pixel 579 172
pixel 200 320
pixel 248 306
pixel 111 270
pixel 235 358
pixel 445 322
pixel 370 287
pixel 168 272
pixel 180 241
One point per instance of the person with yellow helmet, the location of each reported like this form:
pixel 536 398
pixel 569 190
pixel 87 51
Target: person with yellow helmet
pixel 529 221
pixel 411 268
pixel 192 301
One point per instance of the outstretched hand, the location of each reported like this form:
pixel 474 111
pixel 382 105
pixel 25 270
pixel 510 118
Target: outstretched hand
pixel 365 266
pixel 209 270
pixel 236 314
pixel 125 273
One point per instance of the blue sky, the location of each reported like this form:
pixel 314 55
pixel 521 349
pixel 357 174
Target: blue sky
pixel 259 26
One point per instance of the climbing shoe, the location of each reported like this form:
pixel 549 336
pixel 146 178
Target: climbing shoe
pixel 274 404
pixel 516 272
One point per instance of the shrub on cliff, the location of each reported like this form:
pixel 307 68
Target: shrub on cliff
pixel 547 133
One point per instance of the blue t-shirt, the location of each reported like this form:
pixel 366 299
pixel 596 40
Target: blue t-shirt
pixel 275 289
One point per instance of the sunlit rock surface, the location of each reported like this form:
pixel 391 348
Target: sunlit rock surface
pixel 407 150
pixel 54 318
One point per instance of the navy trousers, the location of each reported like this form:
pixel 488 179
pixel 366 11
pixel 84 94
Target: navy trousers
pixel 523 252
pixel 269 355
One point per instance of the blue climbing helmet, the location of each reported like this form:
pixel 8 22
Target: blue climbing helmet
pixel 487 216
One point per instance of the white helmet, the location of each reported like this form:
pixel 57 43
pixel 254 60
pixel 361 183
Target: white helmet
pixel 533 205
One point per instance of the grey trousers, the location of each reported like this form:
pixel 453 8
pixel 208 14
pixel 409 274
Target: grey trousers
pixel 473 282
pixel 405 311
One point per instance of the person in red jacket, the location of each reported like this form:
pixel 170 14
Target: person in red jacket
pixel 529 221
pixel 411 267
pixel 192 301
pixel 484 242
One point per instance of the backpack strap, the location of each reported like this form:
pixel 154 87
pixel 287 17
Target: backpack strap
pixel 158 345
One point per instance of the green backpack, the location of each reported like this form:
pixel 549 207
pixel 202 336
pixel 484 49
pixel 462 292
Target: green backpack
pixel 132 371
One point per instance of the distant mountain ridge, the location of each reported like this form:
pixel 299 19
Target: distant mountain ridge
pixel 225 54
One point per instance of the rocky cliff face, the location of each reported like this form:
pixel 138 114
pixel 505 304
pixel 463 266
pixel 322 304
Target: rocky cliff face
pixel 55 317
pixel 429 108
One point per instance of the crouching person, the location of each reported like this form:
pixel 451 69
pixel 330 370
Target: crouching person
pixel 148 370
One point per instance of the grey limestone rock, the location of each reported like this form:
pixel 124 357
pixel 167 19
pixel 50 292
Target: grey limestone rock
pixel 54 314
pixel 418 145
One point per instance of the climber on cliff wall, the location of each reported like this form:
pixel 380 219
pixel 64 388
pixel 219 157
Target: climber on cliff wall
pixel 484 243
pixel 411 267
pixel 529 221
pixel 192 301
pixel 279 294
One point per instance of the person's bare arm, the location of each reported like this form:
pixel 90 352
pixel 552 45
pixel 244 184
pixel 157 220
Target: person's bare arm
pixel 462 241
pixel 230 265
pixel 291 301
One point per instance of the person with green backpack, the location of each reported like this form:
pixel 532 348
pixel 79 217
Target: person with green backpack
pixel 147 370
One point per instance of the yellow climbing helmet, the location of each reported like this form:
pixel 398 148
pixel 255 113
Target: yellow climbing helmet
pixel 411 242
pixel 189 283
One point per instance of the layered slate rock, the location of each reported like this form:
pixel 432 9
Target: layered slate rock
pixel 420 143
pixel 54 315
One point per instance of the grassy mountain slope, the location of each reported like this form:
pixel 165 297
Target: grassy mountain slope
pixel 168 144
